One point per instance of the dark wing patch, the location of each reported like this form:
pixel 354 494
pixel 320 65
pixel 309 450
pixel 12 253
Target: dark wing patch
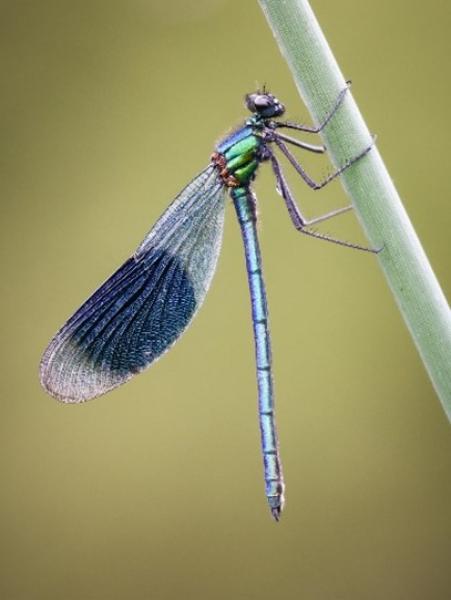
pixel 142 309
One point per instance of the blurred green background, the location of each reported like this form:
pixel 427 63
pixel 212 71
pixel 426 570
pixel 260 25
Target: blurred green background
pixel 155 492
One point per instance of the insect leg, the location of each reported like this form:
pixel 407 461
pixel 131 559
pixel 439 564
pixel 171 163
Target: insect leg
pixel 298 143
pixel 300 222
pixel 327 118
pixel 308 180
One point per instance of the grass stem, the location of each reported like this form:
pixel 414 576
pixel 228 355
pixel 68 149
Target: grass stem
pixel 378 205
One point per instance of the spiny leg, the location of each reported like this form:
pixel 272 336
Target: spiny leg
pixel 327 118
pixel 300 222
pixel 304 145
pixel 308 180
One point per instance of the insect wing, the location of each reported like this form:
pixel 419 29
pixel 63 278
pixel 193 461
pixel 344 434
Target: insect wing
pixel 144 307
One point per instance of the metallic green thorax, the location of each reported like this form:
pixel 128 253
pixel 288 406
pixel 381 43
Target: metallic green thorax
pixel 237 157
pixel 241 160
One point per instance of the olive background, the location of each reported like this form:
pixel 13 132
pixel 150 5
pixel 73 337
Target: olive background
pixel 155 491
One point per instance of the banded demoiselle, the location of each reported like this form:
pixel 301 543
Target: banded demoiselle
pixel 145 306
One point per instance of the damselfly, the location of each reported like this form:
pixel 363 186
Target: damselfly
pixel 141 310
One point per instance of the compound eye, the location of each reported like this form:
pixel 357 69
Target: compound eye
pixel 262 102
pixel 266 105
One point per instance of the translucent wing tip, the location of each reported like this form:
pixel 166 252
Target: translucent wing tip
pixel 69 378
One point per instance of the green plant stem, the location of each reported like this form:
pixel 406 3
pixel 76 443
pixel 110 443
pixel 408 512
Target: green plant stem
pixel 378 206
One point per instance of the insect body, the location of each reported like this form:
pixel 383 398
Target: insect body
pixel 144 307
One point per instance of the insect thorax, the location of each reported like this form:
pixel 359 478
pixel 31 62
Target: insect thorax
pixel 237 156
